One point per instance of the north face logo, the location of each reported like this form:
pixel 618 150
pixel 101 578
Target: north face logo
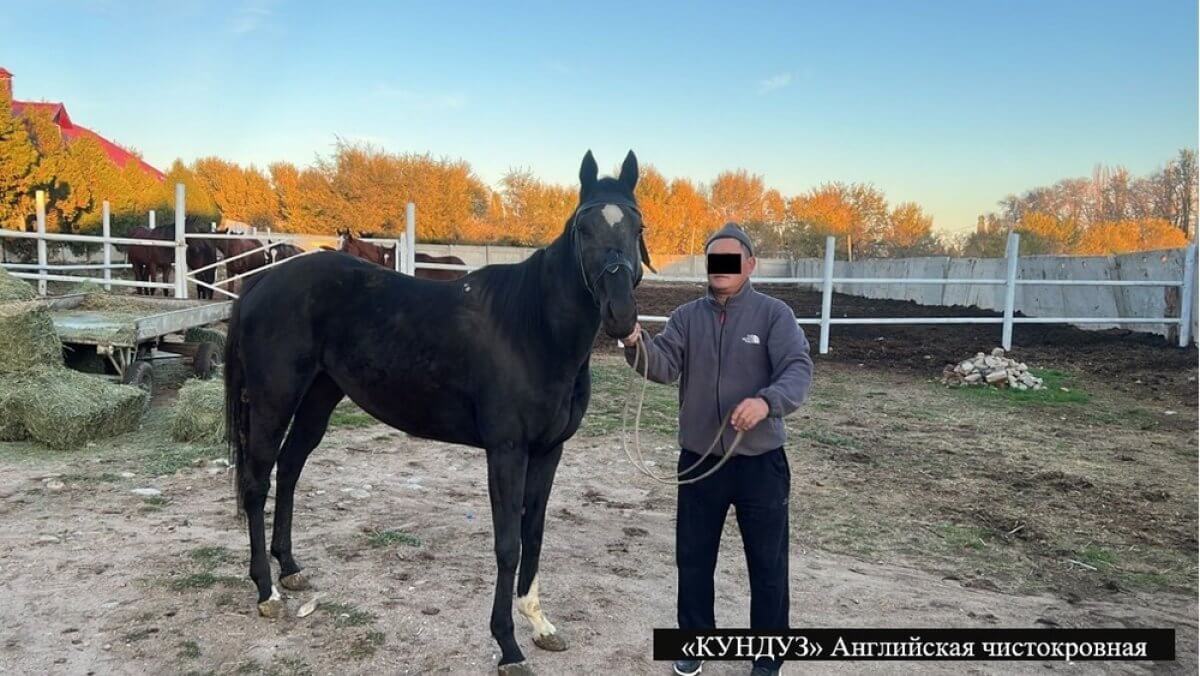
pixel 750 338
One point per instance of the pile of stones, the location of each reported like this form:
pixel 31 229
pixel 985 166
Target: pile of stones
pixel 994 370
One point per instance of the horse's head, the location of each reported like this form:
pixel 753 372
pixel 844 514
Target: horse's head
pixel 606 237
pixel 356 246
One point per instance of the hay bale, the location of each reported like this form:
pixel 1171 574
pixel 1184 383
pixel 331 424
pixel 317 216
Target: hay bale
pixel 12 288
pixel 39 398
pixel 64 409
pixel 199 413
pixel 27 337
pixel 12 428
pixel 126 303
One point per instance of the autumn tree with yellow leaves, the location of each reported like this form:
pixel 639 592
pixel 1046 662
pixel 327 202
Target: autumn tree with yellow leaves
pixel 366 189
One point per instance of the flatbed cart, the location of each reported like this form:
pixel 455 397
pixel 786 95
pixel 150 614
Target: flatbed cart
pixel 121 336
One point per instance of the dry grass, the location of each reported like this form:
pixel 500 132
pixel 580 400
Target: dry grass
pixel 27 337
pixel 199 412
pixel 64 409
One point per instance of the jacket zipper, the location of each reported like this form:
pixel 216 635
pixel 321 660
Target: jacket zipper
pixel 720 343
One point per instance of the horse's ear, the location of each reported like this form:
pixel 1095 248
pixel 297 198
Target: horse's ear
pixel 588 172
pixel 646 254
pixel 629 171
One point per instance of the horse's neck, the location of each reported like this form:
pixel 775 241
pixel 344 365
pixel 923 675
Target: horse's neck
pixel 569 313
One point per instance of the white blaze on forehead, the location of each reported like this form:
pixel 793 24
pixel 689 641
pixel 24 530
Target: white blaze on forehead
pixel 529 606
pixel 612 214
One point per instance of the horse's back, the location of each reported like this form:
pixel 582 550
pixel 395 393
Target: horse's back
pixel 381 336
pixel 335 293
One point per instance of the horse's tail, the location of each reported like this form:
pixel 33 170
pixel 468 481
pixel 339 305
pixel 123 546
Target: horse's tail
pixel 237 415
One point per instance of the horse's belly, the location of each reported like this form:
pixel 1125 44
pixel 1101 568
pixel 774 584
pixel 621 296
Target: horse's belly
pixel 423 414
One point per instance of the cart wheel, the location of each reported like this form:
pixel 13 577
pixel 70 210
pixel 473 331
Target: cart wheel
pixel 140 374
pixel 204 334
pixel 204 364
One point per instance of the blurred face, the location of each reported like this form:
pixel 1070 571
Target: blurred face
pixel 728 283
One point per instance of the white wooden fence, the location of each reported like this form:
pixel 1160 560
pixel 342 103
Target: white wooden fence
pixel 405 252
pixel 43 271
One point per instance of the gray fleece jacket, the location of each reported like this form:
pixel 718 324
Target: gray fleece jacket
pixel 750 347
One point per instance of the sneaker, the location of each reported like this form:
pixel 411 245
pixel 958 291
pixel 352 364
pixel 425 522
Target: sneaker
pixel 688 667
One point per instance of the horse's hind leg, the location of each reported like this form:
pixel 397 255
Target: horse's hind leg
pixel 308 427
pixel 261 451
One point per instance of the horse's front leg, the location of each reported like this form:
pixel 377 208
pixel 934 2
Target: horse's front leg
pixel 539 478
pixel 506 487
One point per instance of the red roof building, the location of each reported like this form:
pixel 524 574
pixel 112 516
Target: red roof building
pixel 71 131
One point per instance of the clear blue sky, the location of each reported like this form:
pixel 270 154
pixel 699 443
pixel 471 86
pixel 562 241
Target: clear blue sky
pixel 950 104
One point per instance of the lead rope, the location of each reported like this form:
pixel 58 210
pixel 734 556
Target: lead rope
pixel 643 355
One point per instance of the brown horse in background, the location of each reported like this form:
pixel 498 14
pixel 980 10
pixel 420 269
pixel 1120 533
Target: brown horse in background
pixel 355 246
pixel 281 251
pixel 441 260
pixel 386 256
pixel 150 261
pixel 234 247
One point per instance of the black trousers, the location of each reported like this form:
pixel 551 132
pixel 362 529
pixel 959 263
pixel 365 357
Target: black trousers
pixel 758 488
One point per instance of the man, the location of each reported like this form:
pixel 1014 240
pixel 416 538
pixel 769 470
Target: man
pixel 734 349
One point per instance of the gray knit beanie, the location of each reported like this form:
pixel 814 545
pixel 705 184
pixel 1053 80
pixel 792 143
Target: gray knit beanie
pixel 731 231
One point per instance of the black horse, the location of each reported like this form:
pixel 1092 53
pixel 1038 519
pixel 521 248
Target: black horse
pixel 497 359
pixel 201 253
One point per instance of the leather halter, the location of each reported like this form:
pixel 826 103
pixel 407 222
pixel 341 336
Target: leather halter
pixel 613 261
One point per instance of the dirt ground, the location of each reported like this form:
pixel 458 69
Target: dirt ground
pixel 913 505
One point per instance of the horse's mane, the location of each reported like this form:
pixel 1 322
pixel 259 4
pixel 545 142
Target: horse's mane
pixel 514 292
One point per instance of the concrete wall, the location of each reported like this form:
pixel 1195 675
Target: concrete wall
pixel 478 255
pixel 1030 300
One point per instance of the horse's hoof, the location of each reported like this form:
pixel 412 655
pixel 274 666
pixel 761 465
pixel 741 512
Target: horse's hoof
pixel 294 582
pixel 514 669
pixel 552 642
pixel 272 608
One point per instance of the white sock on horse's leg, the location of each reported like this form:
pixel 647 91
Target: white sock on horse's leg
pixel 529 606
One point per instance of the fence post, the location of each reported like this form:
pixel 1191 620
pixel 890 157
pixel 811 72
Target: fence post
pixel 180 244
pixel 410 238
pixel 1011 253
pixel 40 196
pixel 106 233
pixel 826 294
pixel 1187 296
pixel 151 219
